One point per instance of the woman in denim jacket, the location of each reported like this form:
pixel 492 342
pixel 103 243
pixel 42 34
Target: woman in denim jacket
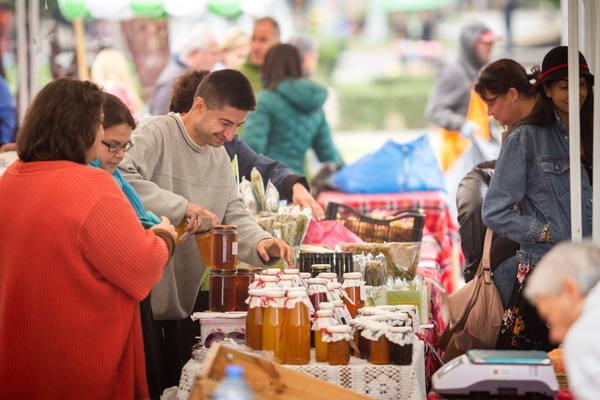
pixel 529 200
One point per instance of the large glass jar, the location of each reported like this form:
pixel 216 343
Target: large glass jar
pixel 204 242
pixel 379 345
pixel 245 277
pixel 221 290
pixel 254 319
pixel 273 335
pixel 224 248
pixel 338 344
pixel 324 320
pixel 296 328
pixel 401 345
pixel 355 296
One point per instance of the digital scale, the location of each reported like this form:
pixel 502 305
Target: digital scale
pixel 497 373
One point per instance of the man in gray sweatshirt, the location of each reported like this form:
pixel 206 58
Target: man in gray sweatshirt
pixel 180 169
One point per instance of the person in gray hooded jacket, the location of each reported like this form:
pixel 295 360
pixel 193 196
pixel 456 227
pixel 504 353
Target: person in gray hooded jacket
pixel 449 98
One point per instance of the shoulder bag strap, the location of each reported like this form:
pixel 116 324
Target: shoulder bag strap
pixel 484 265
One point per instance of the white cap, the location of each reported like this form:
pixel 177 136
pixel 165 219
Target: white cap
pixel 352 275
pixel 291 271
pixel 257 292
pixel 305 275
pixel 317 281
pixel 324 313
pixel 268 278
pixel 401 329
pixel 297 293
pixel 337 303
pixel 338 329
pixel 334 285
pixel 326 305
pixel 286 277
pixel 275 293
pixel 272 271
pixel 328 275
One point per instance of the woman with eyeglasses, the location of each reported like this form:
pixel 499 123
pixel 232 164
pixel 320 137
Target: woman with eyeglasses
pixel 118 125
pixel 75 259
pixel 533 171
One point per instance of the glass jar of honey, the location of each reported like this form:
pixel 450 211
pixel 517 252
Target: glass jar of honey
pixel 254 319
pixel 204 241
pixel 317 269
pixel 324 320
pixel 338 344
pixel 401 345
pixel 245 277
pixel 296 274
pixel 273 334
pixel 264 282
pixel 317 292
pixel 221 290
pixel 296 328
pixel 355 296
pixel 224 247
pixel 379 345
pixel 180 231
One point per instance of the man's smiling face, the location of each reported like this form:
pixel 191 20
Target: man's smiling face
pixel 214 127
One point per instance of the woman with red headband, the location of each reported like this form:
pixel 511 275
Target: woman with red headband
pixel 533 172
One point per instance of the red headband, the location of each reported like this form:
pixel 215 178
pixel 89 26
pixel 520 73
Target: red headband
pixel 554 69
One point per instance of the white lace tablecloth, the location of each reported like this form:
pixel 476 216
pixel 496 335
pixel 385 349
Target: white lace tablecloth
pixel 376 381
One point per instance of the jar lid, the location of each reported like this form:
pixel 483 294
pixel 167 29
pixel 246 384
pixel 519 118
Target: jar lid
pixel 324 313
pixel 337 303
pixel 268 278
pixel 320 266
pixel 328 275
pixel 334 285
pixel 401 329
pixel 286 277
pixel 305 275
pixel 404 307
pixel 222 272
pixel 272 271
pixel 224 227
pixel 338 329
pixel 257 292
pixel 297 293
pixel 275 293
pixel 291 271
pixel 368 287
pixel 203 229
pixel 352 275
pixel 249 270
pixel 326 305
pixel 386 308
pixel 317 281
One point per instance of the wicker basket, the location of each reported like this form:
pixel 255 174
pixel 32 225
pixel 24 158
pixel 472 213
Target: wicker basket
pixel 562 380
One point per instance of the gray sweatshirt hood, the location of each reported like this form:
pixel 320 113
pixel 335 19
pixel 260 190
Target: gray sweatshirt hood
pixel 469 35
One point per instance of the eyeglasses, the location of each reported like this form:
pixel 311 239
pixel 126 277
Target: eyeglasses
pixel 220 336
pixel 114 148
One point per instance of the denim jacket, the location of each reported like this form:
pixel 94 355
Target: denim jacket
pixel 533 169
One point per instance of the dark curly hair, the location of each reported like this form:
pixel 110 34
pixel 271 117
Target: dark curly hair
pixel 184 90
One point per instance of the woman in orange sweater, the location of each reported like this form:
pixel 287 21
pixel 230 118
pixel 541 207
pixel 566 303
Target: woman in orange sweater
pixel 75 260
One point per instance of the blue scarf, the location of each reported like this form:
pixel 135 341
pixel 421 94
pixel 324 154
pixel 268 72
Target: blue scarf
pixel 147 218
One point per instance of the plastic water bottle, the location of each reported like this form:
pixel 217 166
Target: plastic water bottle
pixel 233 386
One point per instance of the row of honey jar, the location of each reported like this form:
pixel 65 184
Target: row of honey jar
pixel 279 321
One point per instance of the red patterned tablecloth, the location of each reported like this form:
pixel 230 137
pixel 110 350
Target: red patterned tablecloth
pixel 440 231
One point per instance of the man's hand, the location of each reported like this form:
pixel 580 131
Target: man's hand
pixel 196 214
pixel 165 225
pixel 268 248
pixel 8 147
pixel 302 198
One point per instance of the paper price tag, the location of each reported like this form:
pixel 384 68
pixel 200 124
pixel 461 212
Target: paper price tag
pixel 183 237
pixel 234 248
pixel 346 314
pixel 416 321
pixel 363 291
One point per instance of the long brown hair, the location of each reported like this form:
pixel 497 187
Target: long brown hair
pixel 281 62
pixel 498 77
pixel 116 112
pixel 62 122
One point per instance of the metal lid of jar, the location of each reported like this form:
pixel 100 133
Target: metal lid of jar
pixel 224 227
pixel 352 275
pixel 222 272
pixel 320 266
pixel 249 270
pixel 204 229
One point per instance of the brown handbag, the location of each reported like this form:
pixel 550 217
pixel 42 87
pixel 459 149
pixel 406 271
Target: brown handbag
pixel 476 309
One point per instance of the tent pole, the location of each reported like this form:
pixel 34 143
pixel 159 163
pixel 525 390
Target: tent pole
pixel 596 177
pixel 82 68
pixel 34 23
pixel 574 128
pixel 22 59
